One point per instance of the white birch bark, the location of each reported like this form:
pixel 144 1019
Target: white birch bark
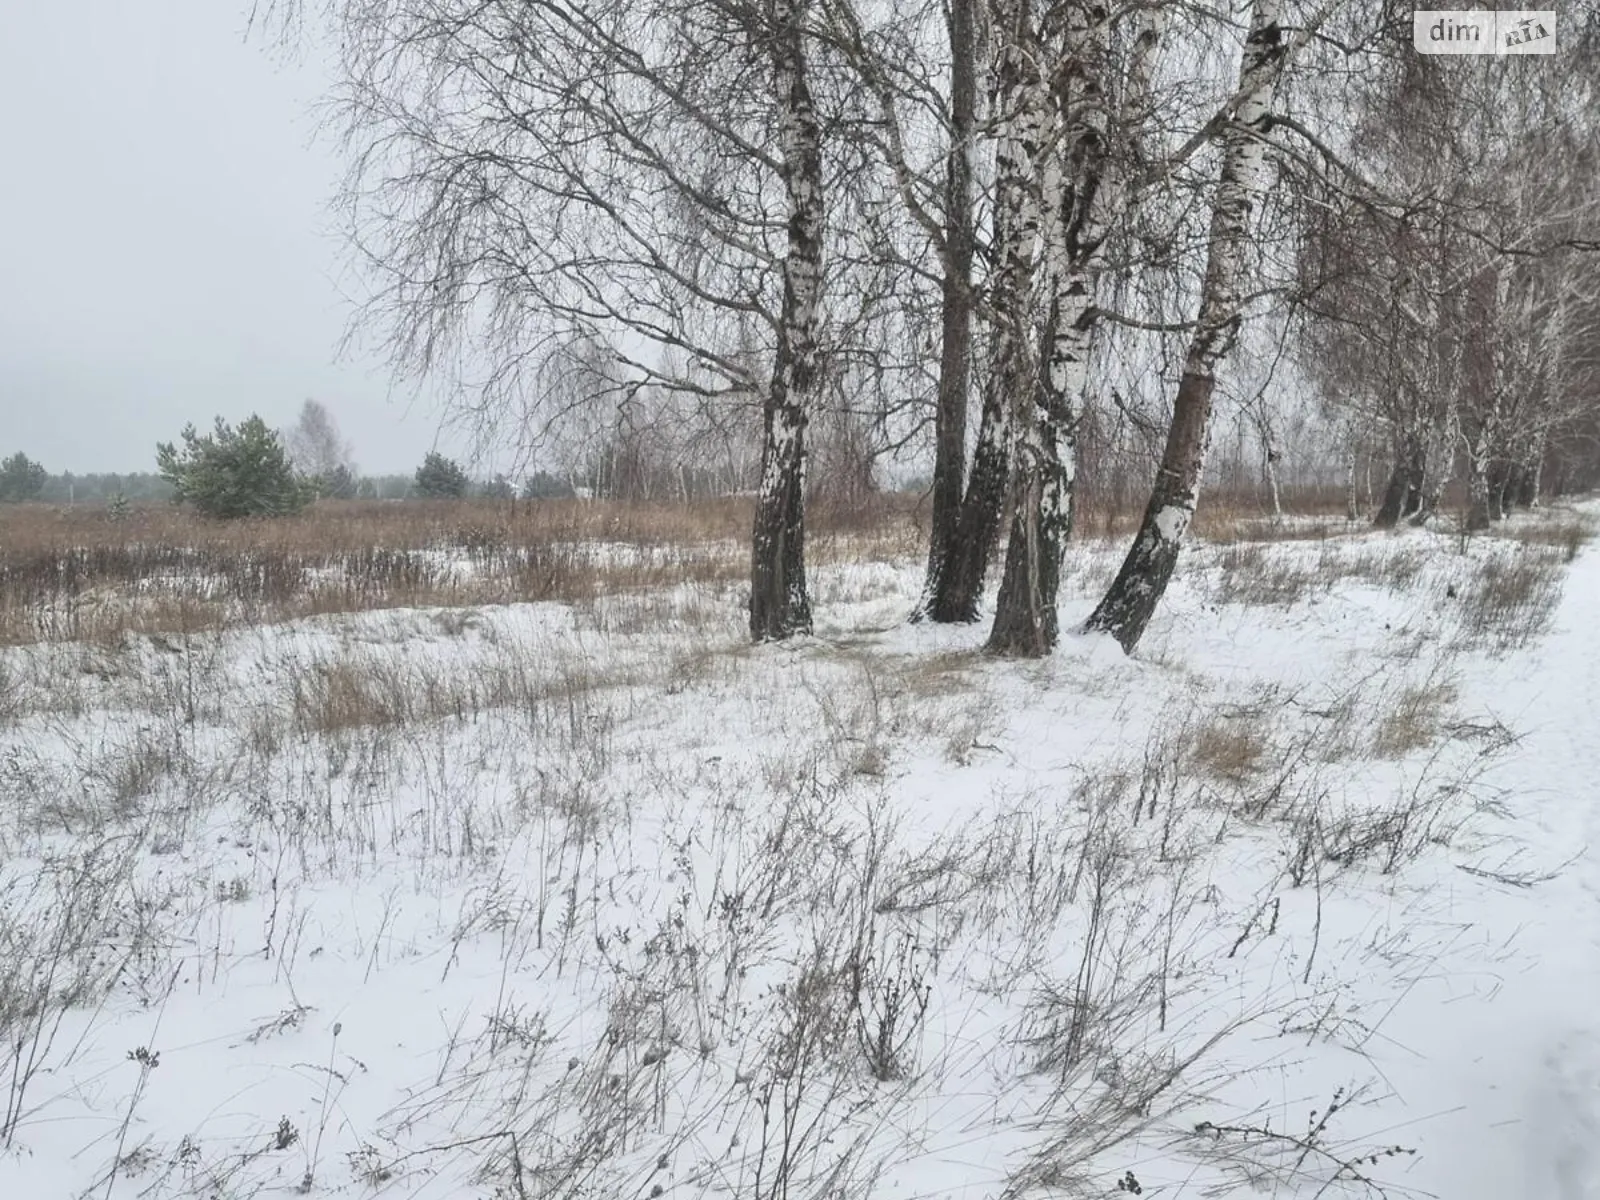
pixel 1129 603
pixel 1079 191
pixel 780 603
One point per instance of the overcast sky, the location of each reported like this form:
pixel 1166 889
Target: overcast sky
pixel 166 250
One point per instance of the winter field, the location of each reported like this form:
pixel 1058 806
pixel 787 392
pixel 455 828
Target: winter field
pixel 359 880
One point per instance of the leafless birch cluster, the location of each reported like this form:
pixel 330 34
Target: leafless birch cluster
pixel 723 242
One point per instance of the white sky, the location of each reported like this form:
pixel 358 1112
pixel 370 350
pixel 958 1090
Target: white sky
pixel 166 249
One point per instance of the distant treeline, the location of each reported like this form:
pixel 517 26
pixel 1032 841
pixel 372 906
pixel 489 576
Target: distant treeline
pixel 23 483
pixel 68 488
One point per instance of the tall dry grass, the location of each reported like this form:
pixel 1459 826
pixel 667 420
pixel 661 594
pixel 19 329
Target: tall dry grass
pixel 1228 515
pixel 85 574
pixel 81 574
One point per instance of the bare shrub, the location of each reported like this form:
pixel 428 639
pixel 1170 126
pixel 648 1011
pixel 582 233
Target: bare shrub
pixel 1511 599
pixel 1102 1034
pixel 1429 808
pixel 58 928
pixel 14 699
pixel 813 1122
pixel 133 772
pixel 1334 729
pixel 1263 1158
pixel 889 989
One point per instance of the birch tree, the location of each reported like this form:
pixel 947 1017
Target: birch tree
pixel 320 452
pixel 1454 279
pixel 1017 125
pixel 1127 606
pixel 780 604
pixel 956 311
pixel 649 177
pixel 1082 169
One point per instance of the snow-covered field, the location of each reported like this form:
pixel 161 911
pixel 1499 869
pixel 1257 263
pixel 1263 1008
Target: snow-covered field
pixel 599 901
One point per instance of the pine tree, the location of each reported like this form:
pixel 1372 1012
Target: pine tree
pixel 21 478
pixel 441 478
pixel 243 472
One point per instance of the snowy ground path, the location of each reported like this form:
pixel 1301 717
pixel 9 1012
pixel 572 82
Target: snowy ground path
pixel 1509 1059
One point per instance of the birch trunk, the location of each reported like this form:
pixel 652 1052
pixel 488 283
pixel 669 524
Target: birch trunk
pixel 1534 493
pixel 1015 232
pixel 1269 461
pixel 1351 504
pixel 780 605
pixel 1130 602
pixel 955 353
pixel 1080 191
pixel 959 595
pixel 1403 496
pixel 1484 484
pixel 1066 208
pixel 1479 484
pixel 1431 490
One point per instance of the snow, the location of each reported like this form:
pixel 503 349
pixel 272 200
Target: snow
pixel 1171 522
pixel 558 905
pixel 1510 1057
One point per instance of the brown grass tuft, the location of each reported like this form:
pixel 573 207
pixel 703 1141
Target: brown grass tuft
pixel 1230 749
pixel 1415 721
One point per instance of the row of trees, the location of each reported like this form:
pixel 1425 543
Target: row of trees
pixel 252 471
pixel 878 219
pixel 69 488
pixel 1462 319
pixel 21 478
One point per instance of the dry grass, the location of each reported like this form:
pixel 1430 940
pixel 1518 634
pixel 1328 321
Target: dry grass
pixel 1568 533
pixel 80 574
pixel 77 574
pixel 1225 516
pixel 1415 720
pixel 355 690
pixel 1511 599
pixel 1259 573
pixel 342 695
pixel 1253 574
pixel 1230 748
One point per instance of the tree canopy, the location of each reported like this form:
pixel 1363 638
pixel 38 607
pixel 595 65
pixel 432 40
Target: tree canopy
pixel 441 478
pixel 243 472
